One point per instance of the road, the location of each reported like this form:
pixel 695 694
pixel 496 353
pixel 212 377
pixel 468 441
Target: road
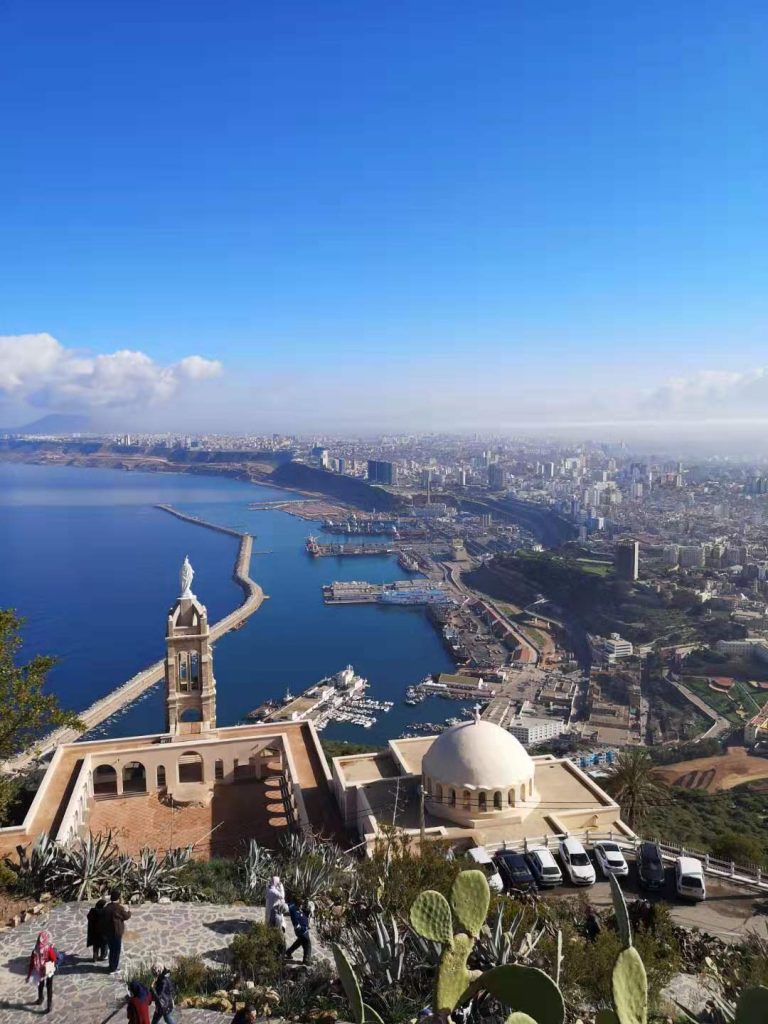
pixel 719 725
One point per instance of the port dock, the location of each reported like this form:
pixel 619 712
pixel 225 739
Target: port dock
pixel 401 592
pixel 318 550
pixel 136 686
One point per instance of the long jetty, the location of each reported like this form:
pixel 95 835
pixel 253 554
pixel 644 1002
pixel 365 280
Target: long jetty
pixel 128 692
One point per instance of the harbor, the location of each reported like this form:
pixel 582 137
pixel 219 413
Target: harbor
pixel 317 550
pixel 337 698
pixel 400 592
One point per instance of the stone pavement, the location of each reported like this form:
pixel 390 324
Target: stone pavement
pixel 83 992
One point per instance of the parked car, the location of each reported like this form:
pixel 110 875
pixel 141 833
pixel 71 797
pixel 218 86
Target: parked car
pixel 514 871
pixel 482 860
pixel 689 878
pixel 650 866
pixel 576 862
pixel 543 867
pixel 610 859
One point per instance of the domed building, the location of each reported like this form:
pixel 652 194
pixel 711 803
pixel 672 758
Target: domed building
pixel 476 772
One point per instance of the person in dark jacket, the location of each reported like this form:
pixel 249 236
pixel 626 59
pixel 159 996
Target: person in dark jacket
pixel 115 916
pixel 300 916
pixel 96 937
pixel 139 1001
pixel 162 990
pixel 245 1015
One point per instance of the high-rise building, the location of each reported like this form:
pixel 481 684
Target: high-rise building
pixel 627 560
pixel 497 477
pixel 381 472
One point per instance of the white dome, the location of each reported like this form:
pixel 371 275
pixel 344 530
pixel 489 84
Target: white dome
pixel 479 754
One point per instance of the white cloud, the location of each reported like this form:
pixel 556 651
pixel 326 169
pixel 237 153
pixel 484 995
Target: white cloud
pixel 713 393
pixel 37 369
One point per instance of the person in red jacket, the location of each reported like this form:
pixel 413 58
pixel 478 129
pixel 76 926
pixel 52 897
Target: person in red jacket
pixel 42 967
pixel 139 1002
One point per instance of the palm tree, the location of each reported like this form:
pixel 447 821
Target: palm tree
pixel 632 784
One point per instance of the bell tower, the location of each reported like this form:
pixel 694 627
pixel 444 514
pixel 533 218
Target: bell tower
pixel 190 689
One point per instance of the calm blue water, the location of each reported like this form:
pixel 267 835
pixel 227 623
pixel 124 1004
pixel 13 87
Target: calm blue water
pixel 93 567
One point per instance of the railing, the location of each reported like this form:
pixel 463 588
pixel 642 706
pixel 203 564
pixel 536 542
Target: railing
pixel 737 874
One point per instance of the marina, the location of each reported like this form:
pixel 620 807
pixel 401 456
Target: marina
pixel 337 698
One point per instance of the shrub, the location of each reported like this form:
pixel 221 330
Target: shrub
pixel 214 881
pixel 192 977
pixel 257 954
pixel 743 849
pixel 9 879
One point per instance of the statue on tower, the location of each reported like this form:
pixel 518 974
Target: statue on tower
pixel 185 578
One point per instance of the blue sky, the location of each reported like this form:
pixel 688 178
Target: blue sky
pixel 522 209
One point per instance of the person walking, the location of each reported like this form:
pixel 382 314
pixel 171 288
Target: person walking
pixel 300 918
pixel 275 894
pixel 95 936
pixel 115 916
pixel 139 1001
pixel 162 990
pixel 42 967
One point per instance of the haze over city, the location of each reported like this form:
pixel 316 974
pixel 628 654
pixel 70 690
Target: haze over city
pixel 385 217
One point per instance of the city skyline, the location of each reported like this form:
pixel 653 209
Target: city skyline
pixel 504 219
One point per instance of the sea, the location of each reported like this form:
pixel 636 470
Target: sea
pixel 92 565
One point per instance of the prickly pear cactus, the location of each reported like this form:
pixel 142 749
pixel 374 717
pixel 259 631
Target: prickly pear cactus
pixel 623 925
pixel 752 1007
pixel 470 899
pixel 527 989
pixel 630 988
pixel 453 978
pixel 431 917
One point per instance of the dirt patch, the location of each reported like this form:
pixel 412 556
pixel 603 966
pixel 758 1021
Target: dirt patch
pixel 716 773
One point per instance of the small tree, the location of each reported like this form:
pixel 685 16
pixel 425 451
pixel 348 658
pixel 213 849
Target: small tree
pixel 27 712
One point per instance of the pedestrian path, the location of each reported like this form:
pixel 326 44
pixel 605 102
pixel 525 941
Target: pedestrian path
pixel 83 991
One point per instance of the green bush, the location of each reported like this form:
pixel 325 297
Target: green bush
pixel 192 977
pixel 9 880
pixel 743 849
pixel 257 954
pixel 214 881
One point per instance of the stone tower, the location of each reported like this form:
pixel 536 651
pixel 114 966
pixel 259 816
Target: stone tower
pixel 190 689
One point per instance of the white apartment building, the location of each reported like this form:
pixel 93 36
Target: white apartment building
pixel 691 556
pixel 609 649
pixel 756 646
pixel 530 730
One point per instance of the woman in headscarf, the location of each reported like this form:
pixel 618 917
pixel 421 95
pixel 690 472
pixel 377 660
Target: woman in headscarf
pixel 96 936
pixel 139 1001
pixel 275 894
pixel 42 967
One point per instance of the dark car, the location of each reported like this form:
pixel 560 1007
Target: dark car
pixel 514 871
pixel 650 866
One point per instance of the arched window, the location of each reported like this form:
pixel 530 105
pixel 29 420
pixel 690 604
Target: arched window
pixel 497 801
pixel 453 798
pixel 481 802
pixel 183 675
pixel 134 778
pixel 439 793
pixel 104 780
pixel 467 799
pixel 511 798
pixel 190 767
pixel 530 788
pixel 194 671
pixel 161 776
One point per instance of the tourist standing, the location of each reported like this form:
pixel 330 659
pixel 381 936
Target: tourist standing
pixel 42 967
pixel 115 916
pixel 300 918
pixel 139 1001
pixel 96 928
pixel 164 995
pixel 275 894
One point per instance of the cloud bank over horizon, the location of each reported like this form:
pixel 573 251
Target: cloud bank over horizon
pixel 38 371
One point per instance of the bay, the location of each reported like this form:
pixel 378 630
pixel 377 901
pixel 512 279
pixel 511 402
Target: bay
pixel 93 566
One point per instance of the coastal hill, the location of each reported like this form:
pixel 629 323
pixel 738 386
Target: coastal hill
pixel 265 467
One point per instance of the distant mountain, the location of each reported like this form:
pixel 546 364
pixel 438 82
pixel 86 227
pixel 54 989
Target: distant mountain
pixel 53 423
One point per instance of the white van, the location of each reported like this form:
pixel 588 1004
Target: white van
pixel 486 864
pixel 689 878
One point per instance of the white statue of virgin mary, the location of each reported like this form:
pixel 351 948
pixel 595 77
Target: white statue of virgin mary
pixel 185 578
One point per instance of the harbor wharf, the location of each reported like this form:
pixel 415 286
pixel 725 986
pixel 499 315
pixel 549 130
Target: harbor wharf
pixel 338 550
pixel 128 692
pixel 197 521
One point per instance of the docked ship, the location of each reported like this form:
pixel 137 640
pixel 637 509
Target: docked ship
pixel 413 595
pixel 408 562
pixel 312 546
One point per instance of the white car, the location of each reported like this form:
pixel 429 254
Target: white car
pixel 576 862
pixel 610 859
pixel 543 867
pixel 487 865
pixel 689 878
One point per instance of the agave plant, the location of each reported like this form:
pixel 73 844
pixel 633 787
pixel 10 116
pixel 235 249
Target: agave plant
pixel 254 868
pixel 38 870
pixel 88 866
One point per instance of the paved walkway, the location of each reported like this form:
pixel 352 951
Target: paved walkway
pixel 83 992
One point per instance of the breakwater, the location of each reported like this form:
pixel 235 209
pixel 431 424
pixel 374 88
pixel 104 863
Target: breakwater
pixel 128 692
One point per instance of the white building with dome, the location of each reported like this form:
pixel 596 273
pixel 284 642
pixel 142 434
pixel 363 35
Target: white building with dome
pixel 474 785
